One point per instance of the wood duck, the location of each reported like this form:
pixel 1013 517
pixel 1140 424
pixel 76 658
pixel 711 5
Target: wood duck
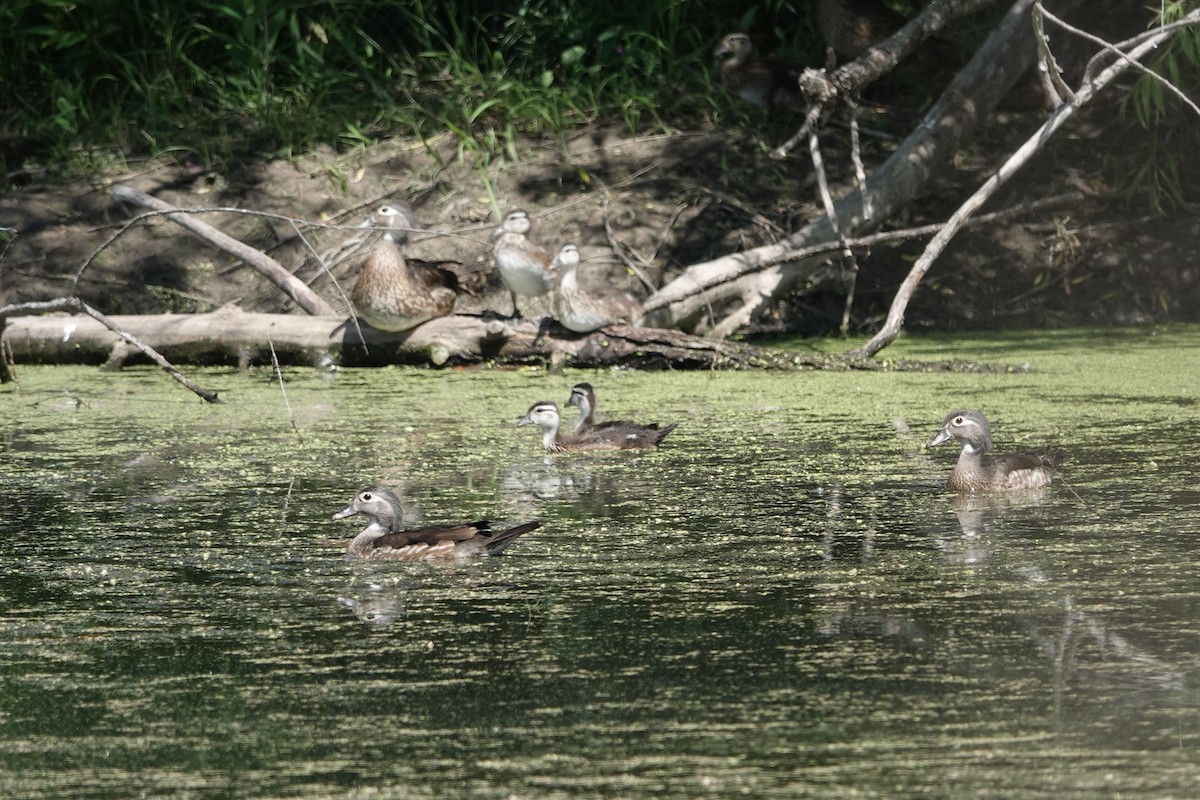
pixel 583 396
pixel 765 82
pixel 383 538
pixel 545 415
pixel 976 472
pixel 524 265
pixel 392 294
pixel 585 310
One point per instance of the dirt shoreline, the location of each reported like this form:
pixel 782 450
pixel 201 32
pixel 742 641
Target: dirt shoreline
pixel 660 201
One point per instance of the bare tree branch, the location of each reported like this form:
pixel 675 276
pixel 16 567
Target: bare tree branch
pixel 886 237
pixel 740 280
pixel 1129 62
pixel 306 298
pixel 1087 92
pixel 75 304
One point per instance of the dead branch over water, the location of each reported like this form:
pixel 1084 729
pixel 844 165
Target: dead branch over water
pixel 121 340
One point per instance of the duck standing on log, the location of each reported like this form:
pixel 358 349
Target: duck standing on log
pixel 392 294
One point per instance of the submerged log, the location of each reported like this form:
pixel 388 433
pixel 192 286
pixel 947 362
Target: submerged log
pixel 230 335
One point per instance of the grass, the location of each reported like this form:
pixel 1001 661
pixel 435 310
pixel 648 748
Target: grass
pixel 226 80
pixel 91 83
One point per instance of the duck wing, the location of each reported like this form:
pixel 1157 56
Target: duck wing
pixel 432 534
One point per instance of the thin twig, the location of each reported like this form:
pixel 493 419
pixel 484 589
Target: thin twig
pixel 860 171
pixel 338 286
pixel 756 217
pixel 282 389
pixel 667 231
pixel 287 501
pixel 1120 54
pixel 848 261
pixel 75 304
pixel 885 237
pixel 1126 45
pixel 1049 72
pixel 810 121
pixel 616 246
pixel 590 198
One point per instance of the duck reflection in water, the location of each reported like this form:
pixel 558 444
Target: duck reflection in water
pixel 377 611
pixel 978 513
pixel 529 480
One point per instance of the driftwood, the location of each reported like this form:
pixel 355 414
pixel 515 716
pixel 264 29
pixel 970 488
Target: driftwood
pixel 895 318
pixel 120 337
pixel 738 288
pixel 230 335
pixel 275 272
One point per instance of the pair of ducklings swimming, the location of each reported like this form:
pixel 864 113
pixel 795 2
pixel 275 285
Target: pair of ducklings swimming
pixel 384 538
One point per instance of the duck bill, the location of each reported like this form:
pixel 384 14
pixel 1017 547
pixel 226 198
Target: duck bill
pixel 942 436
pixel 523 421
pixel 348 511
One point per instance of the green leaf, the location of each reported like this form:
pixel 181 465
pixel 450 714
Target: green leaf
pixel 573 55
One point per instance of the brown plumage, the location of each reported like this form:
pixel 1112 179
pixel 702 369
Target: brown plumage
pixel 583 397
pixel 585 310
pixel 544 414
pixel 384 538
pixel 765 82
pixel 976 472
pixel 392 294
pixel 525 266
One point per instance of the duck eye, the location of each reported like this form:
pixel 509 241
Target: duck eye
pixel 366 495
pixel 959 420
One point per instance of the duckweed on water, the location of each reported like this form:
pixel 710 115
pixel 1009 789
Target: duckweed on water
pixel 781 601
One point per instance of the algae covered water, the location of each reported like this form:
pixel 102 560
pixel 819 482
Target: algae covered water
pixel 782 601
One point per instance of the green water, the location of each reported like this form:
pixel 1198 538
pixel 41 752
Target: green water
pixel 781 602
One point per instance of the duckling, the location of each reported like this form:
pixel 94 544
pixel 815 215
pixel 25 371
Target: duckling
pixel 544 414
pixel 392 294
pixel 583 396
pixel 383 538
pixel 765 82
pixel 525 266
pixel 976 472
pixel 585 310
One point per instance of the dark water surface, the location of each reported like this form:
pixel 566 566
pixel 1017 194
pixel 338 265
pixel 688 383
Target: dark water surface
pixel 781 602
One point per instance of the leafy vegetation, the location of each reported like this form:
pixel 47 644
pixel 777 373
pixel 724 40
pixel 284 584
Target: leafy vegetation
pixel 90 81
pixel 230 78
pixel 1169 150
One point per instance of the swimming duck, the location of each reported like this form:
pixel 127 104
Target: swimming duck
pixel 383 538
pixel 583 397
pixel 585 310
pixel 618 437
pixel 525 266
pixel 765 82
pixel 392 294
pixel 976 472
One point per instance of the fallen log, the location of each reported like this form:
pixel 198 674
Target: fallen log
pixel 127 340
pixel 230 335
